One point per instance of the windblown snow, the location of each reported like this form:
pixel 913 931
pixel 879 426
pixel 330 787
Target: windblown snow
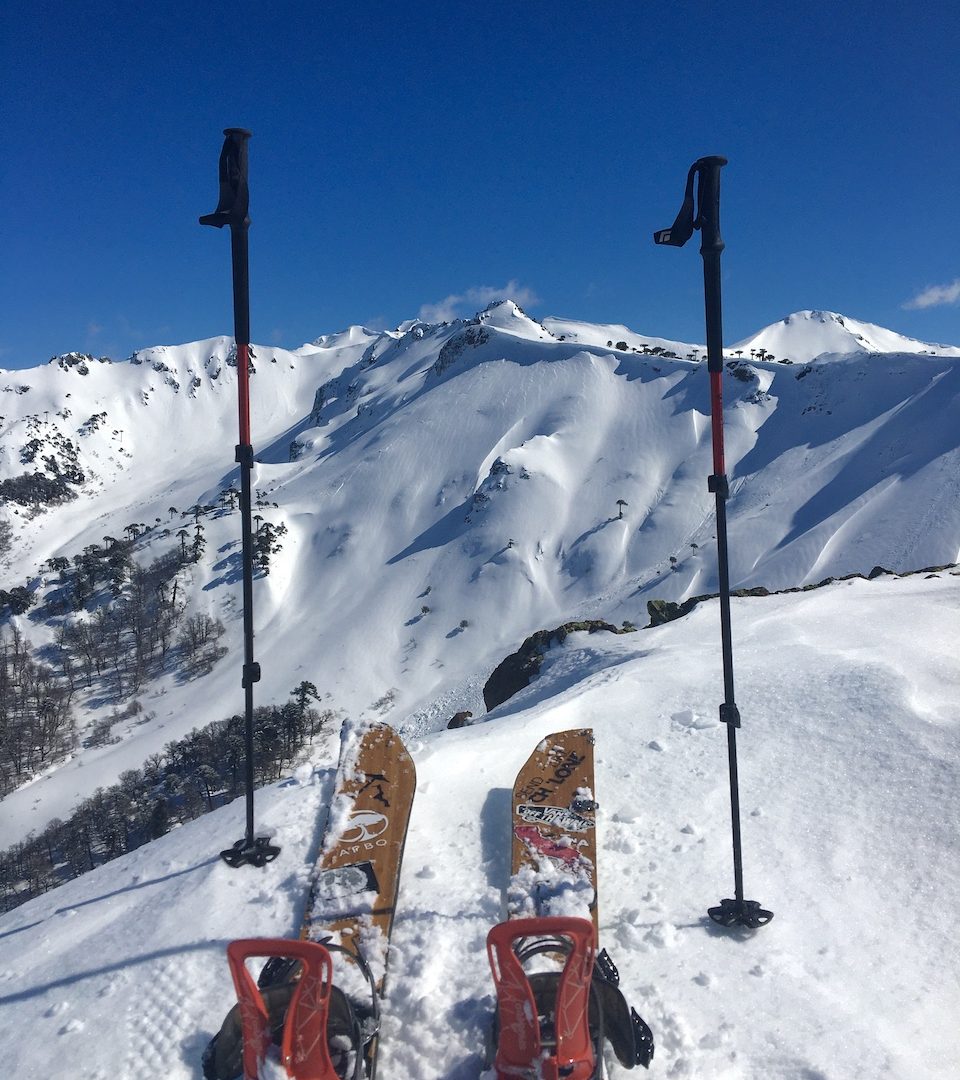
pixel 448 490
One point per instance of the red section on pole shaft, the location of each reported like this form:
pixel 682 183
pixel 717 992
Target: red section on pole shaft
pixel 716 417
pixel 243 387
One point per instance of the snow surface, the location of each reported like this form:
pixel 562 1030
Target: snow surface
pixel 850 777
pixel 448 490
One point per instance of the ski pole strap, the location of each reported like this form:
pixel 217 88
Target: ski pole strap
pixel 682 228
pixel 707 218
pixel 234 193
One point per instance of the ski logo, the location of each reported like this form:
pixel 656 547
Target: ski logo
pixel 564 765
pixel 379 780
pixel 559 816
pixel 568 854
pixel 343 882
pixel 364 826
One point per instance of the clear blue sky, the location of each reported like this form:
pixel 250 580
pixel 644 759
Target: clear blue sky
pixel 416 156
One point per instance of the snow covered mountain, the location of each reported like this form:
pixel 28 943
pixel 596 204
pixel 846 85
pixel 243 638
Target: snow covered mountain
pixel 449 489
pixel 805 335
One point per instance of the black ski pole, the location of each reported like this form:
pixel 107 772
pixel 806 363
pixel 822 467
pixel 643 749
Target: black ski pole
pixel 232 210
pixel 736 911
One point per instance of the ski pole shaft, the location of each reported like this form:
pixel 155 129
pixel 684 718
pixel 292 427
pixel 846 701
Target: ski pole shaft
pixel 241 322
pixel 707 172
pixel 711 247
pixel 232 210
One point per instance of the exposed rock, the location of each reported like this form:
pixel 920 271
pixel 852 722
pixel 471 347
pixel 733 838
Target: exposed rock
pixel 471 337
pixel 519 669
pixel 664 611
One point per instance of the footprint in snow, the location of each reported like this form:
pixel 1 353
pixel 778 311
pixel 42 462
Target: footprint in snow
pixel 688 719
pixel 662 935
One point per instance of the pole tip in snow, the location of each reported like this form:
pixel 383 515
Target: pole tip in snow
pixel 746 913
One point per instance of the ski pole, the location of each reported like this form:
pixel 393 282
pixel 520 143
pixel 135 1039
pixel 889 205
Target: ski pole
pixel 736 911
pixel 232 210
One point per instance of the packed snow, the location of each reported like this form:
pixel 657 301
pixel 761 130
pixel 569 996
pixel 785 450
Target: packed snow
pixel 448 490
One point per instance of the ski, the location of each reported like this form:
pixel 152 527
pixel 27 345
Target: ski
pixel 552 1022
pixel 553 866
pixel 317 997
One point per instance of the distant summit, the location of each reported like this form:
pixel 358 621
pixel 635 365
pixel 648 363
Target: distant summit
pixel 805 335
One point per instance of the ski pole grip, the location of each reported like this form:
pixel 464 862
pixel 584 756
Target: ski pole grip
pixel 234 194
pixel 711 247
pixel 708 219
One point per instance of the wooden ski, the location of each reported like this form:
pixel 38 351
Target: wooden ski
pixel 555 1022
pixel 353 894
pixel 302 989
pixel 355 884
pixel 554 854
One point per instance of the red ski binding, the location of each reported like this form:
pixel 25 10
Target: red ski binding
pixel 303 1053
pixel 543 1020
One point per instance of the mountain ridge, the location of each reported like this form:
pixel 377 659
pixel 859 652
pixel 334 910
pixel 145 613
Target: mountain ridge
pixel 445 490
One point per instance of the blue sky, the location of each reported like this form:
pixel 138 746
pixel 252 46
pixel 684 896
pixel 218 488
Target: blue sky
pixel 418 158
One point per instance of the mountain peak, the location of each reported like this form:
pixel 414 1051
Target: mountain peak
pixel 506 314
pixel 352 335
pixel 804 335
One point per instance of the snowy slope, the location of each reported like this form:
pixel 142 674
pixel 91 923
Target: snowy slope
pixel 850 781
pixel 450 489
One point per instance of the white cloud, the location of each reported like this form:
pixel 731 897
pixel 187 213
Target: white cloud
pixel 475 298
pixel 936 296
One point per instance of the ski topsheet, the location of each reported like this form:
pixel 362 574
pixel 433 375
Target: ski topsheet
pixel 553 1020
pixel 353 894
pixel 554 853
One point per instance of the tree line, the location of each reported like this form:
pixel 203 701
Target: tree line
pixel 187 779
pixel 118 624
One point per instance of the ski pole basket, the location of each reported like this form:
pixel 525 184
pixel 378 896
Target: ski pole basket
pixel 543 1018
